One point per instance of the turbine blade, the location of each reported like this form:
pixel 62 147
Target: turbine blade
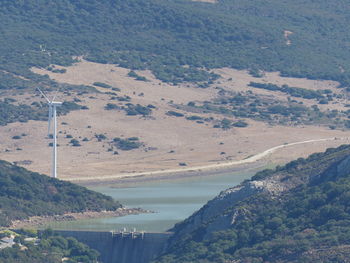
pixel 54 97
pixel 42 93
pixel 50 118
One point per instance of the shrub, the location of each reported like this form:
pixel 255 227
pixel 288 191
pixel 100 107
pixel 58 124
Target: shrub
pixel 240 124
pixel 102 85
pixel 174 113
pixel 226 124
pixel 111 106
pixel 134 75
pixel 191 104
pixel 127 144
pixel 75 143
pixel 138 109
pixel 194 118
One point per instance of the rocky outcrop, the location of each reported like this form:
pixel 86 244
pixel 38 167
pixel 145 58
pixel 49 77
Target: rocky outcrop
pixel 221 212
pixel 213 210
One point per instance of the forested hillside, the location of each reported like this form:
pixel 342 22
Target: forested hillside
pixel 24 194
pixel 298 38
pixel 296 213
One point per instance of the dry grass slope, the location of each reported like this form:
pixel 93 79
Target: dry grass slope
pixel 167 140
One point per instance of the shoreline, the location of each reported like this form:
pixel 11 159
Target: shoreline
pixel 250 162
pixel 131 181
pixel 40 221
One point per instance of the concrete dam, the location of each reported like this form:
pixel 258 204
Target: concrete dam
pixel 122 247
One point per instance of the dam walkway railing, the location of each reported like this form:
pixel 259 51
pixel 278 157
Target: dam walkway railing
pixel 122 246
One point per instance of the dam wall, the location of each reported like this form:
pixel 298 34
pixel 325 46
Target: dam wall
pixel 122 247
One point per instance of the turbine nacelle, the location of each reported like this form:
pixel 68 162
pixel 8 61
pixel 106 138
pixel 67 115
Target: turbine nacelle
pixel 55 103
pixel 52 113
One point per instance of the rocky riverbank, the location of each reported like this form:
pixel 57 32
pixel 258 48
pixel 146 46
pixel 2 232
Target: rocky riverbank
pixel 37 221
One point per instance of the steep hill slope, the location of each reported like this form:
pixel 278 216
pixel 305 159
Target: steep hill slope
pixel 24 194
pixel 176 39
pixel 296 213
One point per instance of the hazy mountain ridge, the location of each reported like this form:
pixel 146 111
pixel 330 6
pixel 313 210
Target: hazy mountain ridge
pixel 291 214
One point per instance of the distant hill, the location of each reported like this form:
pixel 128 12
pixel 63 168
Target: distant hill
pixel 176 39
pixel 296 213
pixel 24 194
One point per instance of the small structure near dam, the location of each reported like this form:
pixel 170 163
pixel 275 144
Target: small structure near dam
pixel 122 246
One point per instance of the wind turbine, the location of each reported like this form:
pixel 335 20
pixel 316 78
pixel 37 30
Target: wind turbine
pixel 52 116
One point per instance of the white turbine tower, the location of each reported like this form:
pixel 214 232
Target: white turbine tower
pixel 52 116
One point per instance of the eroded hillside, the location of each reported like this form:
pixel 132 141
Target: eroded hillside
pixel 293 213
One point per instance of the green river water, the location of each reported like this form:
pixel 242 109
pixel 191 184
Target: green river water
pixel 172 201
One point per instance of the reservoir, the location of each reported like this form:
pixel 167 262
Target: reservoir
pixel 172 201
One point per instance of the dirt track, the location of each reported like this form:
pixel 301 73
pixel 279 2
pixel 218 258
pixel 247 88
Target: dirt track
pixel 250 159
